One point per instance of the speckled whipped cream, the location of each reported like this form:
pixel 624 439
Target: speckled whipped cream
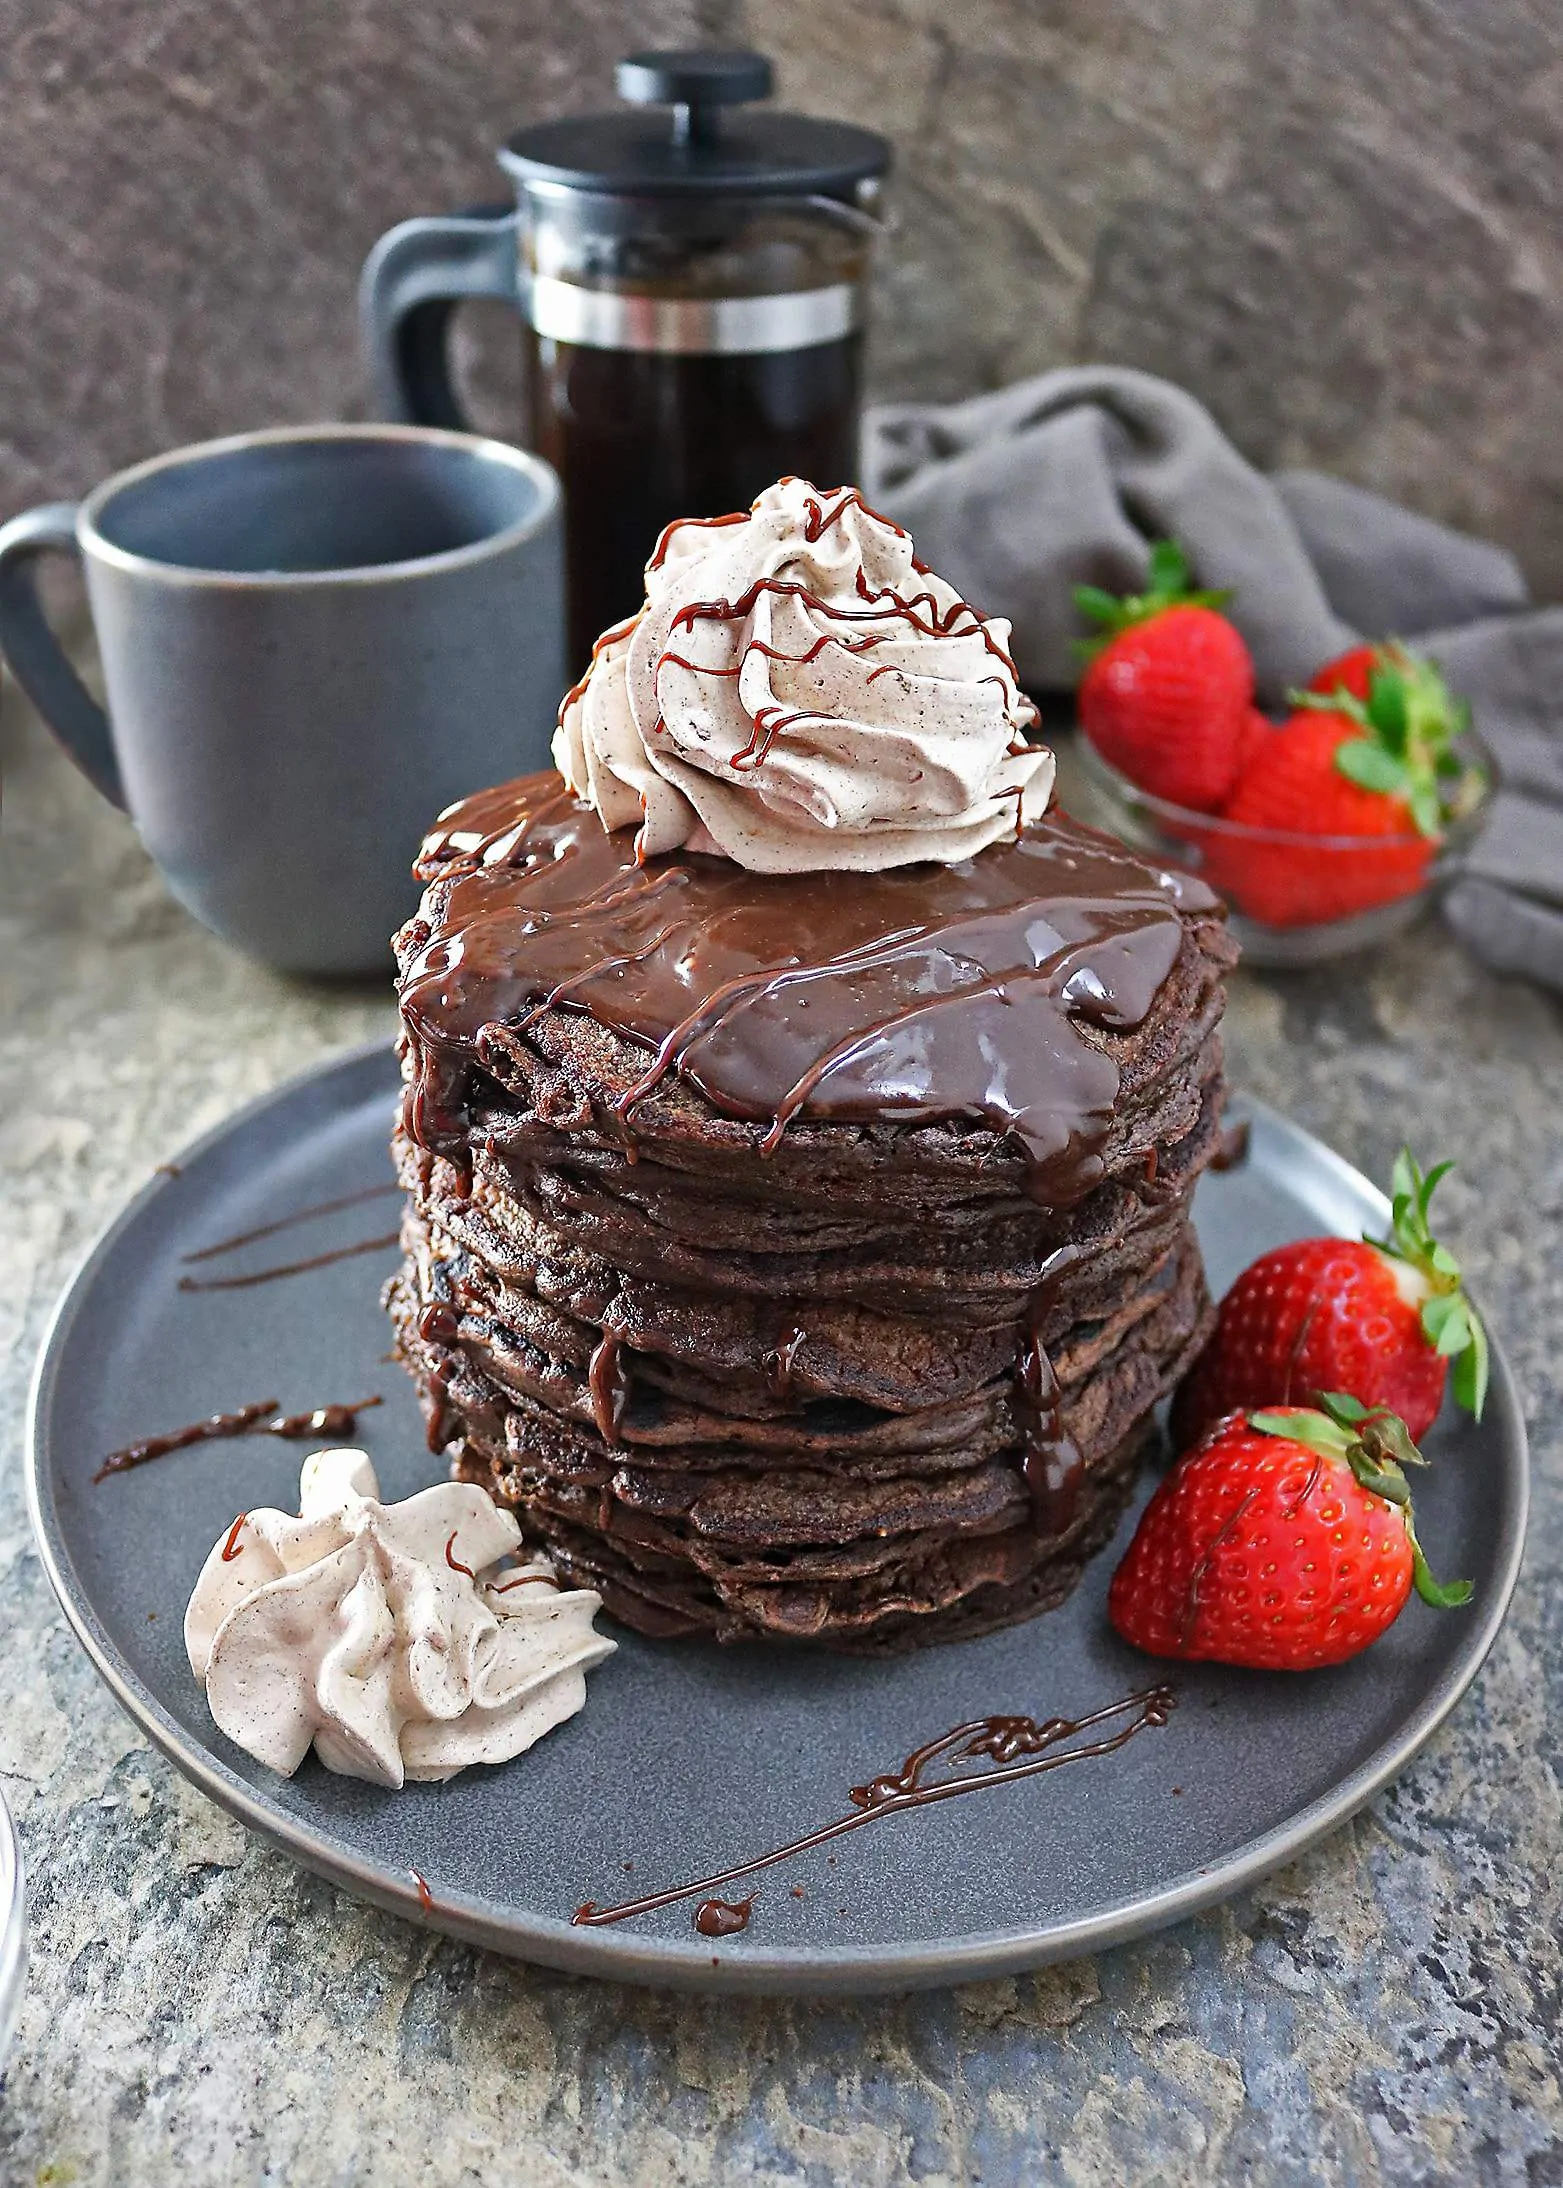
pixel 799 692
pixel 389 1636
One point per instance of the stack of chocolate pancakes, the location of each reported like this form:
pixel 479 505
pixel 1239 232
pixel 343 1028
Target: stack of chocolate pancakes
pixel 802 1256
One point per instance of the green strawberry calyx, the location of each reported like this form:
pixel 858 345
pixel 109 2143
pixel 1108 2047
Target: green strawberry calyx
pixel 1450 1323
pixel 1410 725
pixel 1168 587
pixel 1376 1445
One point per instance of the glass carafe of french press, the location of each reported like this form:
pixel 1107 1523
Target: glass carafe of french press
pixel 691 274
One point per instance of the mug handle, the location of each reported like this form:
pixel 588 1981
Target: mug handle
pixel 38 660
pixel 407 294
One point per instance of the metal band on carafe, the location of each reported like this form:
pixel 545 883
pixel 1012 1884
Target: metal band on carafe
pixel 706 326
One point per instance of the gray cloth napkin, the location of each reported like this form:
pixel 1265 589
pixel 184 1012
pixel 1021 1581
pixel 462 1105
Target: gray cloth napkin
pixel 1063 480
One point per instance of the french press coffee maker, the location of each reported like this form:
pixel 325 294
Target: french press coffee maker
pixel 692 288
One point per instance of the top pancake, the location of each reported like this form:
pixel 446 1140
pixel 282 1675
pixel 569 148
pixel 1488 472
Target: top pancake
pixel 996 1017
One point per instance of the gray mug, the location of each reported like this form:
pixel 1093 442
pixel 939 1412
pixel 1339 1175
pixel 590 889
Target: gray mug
pixel 313 639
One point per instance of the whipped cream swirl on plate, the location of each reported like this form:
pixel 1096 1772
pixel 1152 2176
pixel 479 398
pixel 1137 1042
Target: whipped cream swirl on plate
pixel 383 1634
pixel 800 692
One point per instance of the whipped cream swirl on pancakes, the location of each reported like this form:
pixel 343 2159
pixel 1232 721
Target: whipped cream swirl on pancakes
pixel 800 692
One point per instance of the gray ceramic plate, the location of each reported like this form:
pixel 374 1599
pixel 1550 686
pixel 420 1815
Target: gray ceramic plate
pixel 687 1759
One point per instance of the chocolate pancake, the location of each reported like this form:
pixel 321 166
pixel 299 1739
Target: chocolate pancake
pixel 803 1256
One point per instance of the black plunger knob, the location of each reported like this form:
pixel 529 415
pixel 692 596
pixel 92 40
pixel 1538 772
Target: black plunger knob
pixel 694 84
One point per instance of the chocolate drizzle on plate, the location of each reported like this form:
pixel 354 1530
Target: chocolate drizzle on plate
pixel 287 1222
pixel 242 1282
pixel 925 994
pixel 260 1419
pixel 724 1917
pixel 288 1268
pixel 1011 1747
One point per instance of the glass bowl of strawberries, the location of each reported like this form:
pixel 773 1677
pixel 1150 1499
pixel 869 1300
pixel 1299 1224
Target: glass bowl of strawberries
pixel 1325 833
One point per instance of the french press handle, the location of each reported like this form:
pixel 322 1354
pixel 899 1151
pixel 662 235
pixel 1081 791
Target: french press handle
pixel 412 282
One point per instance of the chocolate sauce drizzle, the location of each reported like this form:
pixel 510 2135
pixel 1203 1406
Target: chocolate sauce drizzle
pixel 600 645
pixel 1014 1747
pixel 659 553
pixel 777 1364
pixel 287 1223
pixel 881 604
pixel 288 1268
pixel 924 994
pixel 439 1323
pixel 259 1419
pixel 1232 1150
pixel 608 1382
pixel 1052 1465
pixel 1051 1462
pixel 724 1917
pixel 441 1375
pixel 819 519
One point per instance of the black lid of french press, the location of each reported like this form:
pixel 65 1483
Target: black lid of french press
pixel 709 142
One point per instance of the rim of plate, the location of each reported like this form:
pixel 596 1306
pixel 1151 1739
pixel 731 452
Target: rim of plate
pixel 553 1942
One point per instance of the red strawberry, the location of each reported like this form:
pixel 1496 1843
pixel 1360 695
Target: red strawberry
pixel 1294 786
pixel 1205 844
pixel 1350 672
pixel 1257 732
pixel 1283 1541
pixel 1344 767
pixel 1167 696
pixel 1381 1318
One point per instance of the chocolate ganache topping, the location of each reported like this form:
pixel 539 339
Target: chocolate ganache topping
pixel 925 993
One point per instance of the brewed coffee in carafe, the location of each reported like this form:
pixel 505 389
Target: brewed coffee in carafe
pixel 639 439
pixel 693 292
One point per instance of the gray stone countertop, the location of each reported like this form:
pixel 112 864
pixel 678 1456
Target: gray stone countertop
pixel 1386 2010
